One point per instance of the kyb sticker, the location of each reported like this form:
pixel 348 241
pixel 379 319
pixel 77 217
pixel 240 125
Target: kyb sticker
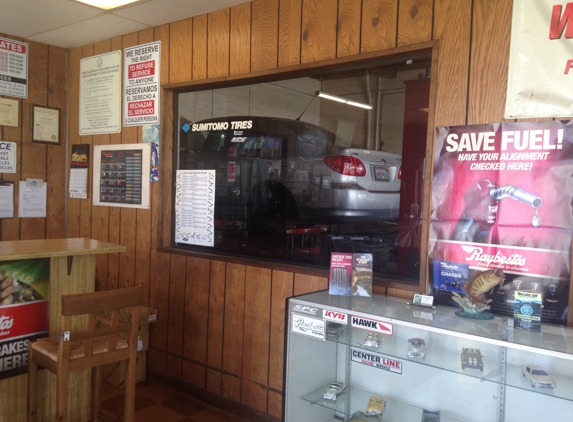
pixel 333 316
pixel 308 326
pixel 305 309
pixel 372 325
pixel 376 360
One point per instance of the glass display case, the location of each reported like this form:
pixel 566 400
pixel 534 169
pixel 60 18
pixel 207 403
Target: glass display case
pixel 471 370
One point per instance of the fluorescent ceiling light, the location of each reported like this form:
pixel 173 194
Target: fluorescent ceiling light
pixel 107 4
pixel 322 94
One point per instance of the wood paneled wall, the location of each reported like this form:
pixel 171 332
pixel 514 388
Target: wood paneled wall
pixel 46 87
pixel 221 323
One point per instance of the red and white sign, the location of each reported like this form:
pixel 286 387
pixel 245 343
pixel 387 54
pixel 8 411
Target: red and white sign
pixel 372 325
pixel 334 316
pixel 376 360
pixel 13 68
pixel 540 77
pixel 141 84
pixel 231 171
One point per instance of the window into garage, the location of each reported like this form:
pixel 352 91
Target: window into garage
pixel 315 164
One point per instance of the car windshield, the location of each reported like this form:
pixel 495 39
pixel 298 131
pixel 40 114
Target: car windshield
pixel 538 372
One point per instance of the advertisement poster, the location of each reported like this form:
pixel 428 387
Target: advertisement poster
pixel 24 311
pixel 122 175
pixel 502 214
pixel 100 94
pixel 141 71
pixel 13 68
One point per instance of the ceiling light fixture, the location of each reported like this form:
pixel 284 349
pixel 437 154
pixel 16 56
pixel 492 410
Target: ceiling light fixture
pixel 338 99
pixel 107 4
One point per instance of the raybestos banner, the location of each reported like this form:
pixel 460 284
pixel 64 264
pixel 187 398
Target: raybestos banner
pixel 502 199
pixel 540 73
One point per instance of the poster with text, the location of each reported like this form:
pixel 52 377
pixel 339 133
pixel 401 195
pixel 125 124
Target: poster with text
pixel 13 68
pixel 100 94
pixel 141 71
pixel 24 311
pixel 502 213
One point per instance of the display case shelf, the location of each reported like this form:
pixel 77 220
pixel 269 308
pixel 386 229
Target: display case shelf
pixel 437 381
pixel 394 410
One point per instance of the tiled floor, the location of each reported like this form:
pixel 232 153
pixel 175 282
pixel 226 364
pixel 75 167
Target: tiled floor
pixel 155 402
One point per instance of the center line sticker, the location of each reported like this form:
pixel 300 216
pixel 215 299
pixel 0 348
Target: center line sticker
pixel 376 360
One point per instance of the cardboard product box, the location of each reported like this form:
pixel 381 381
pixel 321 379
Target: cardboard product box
pixel 115 373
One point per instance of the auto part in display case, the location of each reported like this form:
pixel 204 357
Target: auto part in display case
pixel 493 388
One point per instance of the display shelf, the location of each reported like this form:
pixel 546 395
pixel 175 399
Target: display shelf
pixel 437 381
pixel 395 411
pixel 451 361
pixel 553 340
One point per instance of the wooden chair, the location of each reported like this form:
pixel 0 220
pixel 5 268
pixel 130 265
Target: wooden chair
pixel 75 350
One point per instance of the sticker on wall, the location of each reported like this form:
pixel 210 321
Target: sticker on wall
pixel 376 360
pixel 150 135
pixel 308 326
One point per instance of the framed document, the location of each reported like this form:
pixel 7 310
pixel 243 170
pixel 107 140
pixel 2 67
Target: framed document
pixel 44 124
pixel 9 112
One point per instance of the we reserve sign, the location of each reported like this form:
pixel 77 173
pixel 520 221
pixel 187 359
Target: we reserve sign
pixel 142 68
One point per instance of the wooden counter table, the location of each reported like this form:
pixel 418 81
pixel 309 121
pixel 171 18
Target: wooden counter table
pixel 72 270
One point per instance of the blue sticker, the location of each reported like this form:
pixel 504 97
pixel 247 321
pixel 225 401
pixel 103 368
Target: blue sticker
pixel 186 127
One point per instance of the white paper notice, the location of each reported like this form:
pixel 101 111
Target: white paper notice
pixel 195 207
pixel 32 199
pixel 79 183
pixel 7 201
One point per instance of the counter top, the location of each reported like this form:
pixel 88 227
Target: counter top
pixel 45 248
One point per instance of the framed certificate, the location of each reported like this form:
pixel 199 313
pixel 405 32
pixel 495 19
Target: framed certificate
pixel 44 124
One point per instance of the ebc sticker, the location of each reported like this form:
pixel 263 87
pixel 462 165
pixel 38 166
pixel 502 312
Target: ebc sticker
pixel 308 326
pixel 333 316
pixel 372 325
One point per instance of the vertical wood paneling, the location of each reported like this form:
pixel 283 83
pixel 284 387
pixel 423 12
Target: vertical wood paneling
pixel 56 154
pixel 180 50
pixel 100 214
pixel 307 284
pixel 255 372
pixel 233 331
pixel 488 78
pixel 215 325
pixel 349 15
pixel 240 47
pixel 166 173
pixel 196 309
pixel 86 204
pixel 378 25
pixel 282 288
pixel 264 41
pixel 33 154
pixel 159 298
pixel 73 220
pixel 452 24
pixel 218 43
pixel 200 47
pixel 290 14
pixel 175 328
pixel 318 30
pixel 414 21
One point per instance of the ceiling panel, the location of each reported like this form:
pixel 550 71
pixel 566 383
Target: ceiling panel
pixel 67 23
